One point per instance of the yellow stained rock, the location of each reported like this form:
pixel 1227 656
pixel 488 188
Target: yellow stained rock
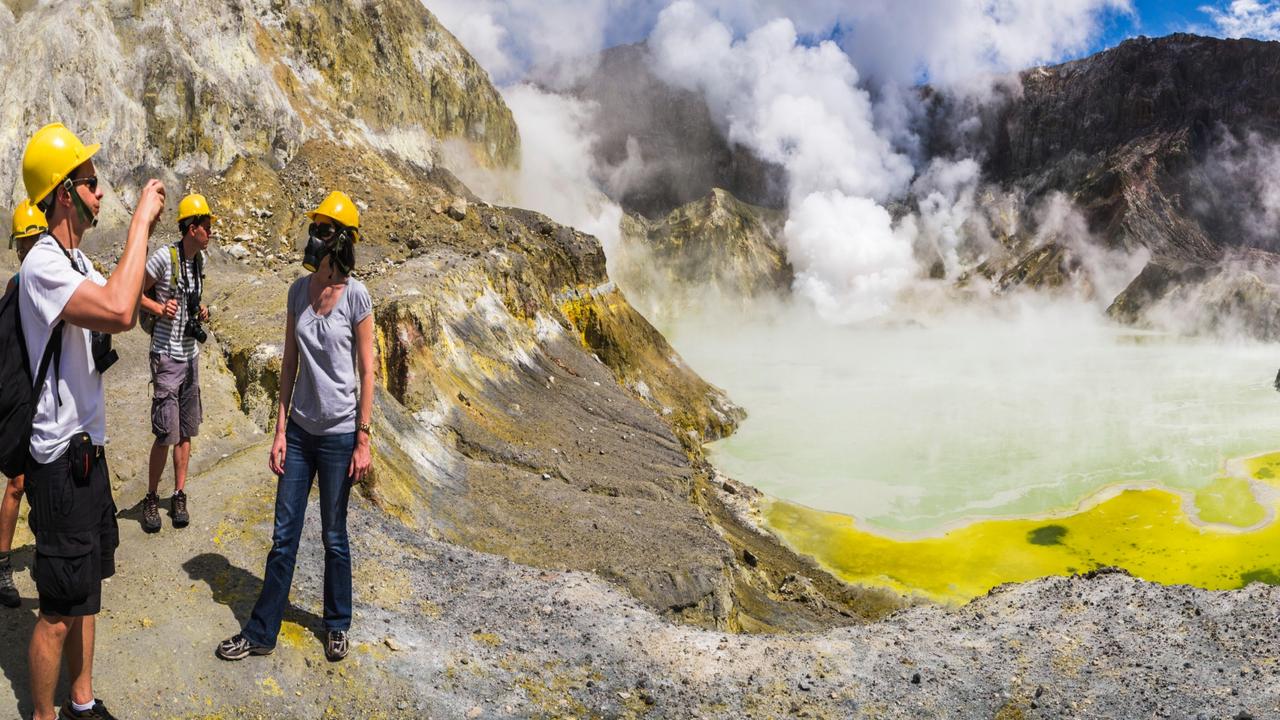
pixel 1227 540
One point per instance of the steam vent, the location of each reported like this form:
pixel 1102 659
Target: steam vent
pixel 729 360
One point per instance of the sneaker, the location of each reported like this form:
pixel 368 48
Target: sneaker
pixel 8 591
pixel 335 647
pixel 97 712
pixel 238 647
pixel 151 513
pixel 178 509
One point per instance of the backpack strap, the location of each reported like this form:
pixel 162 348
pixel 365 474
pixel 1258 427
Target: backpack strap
pixel 173 270
pixel 53 348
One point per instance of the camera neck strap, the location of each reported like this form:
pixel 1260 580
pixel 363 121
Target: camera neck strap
pixel 195 285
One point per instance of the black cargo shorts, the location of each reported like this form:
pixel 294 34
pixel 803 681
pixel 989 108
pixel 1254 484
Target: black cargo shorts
pixel 74 522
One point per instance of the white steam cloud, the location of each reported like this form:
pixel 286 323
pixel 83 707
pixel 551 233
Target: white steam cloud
pixel 823 89
pixel 555 176
pixel 801 107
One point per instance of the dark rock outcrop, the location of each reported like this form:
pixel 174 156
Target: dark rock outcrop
pixel 1142 138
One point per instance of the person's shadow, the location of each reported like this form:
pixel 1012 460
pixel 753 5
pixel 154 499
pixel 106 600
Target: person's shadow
pixel 16 625
pixel 238 589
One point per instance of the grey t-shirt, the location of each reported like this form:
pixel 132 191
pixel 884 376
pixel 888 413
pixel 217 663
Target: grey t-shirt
pixel 326 391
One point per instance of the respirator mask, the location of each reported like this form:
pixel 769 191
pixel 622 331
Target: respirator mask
pixel 328 240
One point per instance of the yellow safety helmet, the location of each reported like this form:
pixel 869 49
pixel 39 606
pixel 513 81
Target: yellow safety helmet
pixel 51 154
pixel 194 205
pixel 28 221
pixel 340 208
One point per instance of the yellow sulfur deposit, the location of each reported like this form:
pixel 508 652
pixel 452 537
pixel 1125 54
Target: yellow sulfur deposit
pixel 1225 537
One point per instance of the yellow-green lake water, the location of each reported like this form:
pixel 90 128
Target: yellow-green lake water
pixel 949 454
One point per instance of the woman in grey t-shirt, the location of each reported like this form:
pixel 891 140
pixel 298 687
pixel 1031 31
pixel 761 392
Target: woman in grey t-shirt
pixel 322 427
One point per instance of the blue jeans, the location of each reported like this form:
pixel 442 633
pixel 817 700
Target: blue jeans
pixel 328 456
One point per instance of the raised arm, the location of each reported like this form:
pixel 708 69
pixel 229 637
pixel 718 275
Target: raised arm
pixel 113 307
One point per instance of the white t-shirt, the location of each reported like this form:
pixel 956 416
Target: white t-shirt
pixel 48 281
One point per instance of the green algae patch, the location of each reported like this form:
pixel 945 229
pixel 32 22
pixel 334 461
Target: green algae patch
pixel 1147 532
pixel 1229 501
pixel 1265 468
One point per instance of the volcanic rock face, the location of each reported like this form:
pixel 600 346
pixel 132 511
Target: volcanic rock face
pixel 718 245
pixel 659 144
pixel 1133 136
pixel 177 87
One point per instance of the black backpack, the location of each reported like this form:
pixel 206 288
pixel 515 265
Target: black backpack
pixel 19 390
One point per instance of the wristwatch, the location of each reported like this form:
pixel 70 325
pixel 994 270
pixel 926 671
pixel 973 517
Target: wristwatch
pixel 364 428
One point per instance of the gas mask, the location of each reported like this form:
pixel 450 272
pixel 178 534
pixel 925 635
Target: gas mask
pixel 327 240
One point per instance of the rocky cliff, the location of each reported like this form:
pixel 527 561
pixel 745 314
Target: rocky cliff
pixel 177 87
pixel 1157 142
pixel 717 248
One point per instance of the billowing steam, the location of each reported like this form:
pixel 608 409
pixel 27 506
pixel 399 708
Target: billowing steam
pixel 838 114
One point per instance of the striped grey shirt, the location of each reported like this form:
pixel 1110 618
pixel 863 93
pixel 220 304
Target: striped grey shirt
pixel 167 338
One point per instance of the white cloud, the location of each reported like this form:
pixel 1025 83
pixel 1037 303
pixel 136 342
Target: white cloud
pixel 1246 18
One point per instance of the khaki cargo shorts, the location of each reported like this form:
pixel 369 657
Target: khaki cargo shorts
pixel 176 412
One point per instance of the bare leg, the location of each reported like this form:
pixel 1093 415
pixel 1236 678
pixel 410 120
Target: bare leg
pixel 44 655
pixel 181 459
pixel 9 513
pixel 79 657
pixel 155 466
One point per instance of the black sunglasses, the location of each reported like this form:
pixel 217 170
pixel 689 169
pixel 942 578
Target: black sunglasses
pixel 91 182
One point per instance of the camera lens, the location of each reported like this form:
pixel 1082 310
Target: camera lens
pixel 195 330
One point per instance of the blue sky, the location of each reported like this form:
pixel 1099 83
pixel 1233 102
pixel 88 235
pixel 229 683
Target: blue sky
pixel 1155 18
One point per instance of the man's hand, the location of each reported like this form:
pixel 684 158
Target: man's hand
pixel 171 308
pixel 151 203
pixel 361 459
pixel 204 313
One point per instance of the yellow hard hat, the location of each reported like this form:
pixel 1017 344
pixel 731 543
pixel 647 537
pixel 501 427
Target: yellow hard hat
pixel 28 221
pixel 51 154
pixel 194 205
pixel 340 208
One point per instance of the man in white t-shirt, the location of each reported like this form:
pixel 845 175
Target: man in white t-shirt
pixel 68 309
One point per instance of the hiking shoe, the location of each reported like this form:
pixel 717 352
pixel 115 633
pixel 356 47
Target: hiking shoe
pixel 178 509
pixel 151 513
pixel 335 647
pixel 8 591
pixel 238 647
pixel 97 712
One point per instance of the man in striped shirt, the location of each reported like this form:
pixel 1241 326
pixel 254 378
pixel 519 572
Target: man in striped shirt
pixel 172 293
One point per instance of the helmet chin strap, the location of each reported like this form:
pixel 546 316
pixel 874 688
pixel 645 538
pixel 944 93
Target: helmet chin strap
pixel 86 215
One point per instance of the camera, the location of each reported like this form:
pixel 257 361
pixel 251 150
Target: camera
pixel 195 329
pixel 103 354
